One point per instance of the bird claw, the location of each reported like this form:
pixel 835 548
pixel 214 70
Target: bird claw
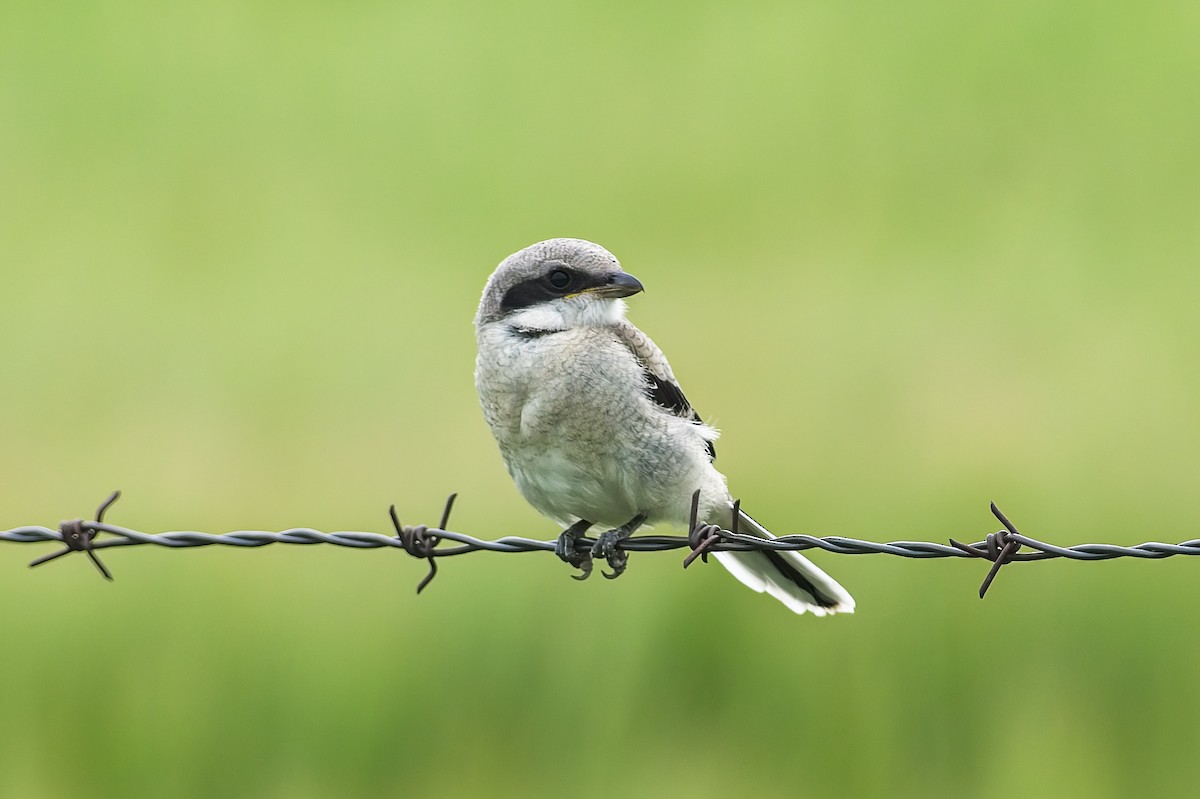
pixel 607 546
pixel 584 564
pixel 567 552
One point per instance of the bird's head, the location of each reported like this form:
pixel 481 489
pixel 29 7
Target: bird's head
pixel 557 284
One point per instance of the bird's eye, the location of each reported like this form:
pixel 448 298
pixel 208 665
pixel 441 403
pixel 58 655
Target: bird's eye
pixel 559 279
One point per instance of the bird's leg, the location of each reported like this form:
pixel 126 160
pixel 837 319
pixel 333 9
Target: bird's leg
pixel 608 546
pixel 566 550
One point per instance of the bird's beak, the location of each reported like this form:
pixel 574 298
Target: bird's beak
pixel 618 285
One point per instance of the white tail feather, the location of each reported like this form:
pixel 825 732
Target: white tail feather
pixel 805 589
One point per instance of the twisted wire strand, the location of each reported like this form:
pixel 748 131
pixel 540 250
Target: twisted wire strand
pixel 838 545
pixel 1002 547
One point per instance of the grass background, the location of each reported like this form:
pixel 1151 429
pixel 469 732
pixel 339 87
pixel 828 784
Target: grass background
pixel 911 258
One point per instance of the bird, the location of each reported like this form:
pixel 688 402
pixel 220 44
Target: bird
pixel 594 428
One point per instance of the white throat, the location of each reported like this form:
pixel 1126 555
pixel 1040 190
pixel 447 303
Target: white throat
pixel 569 312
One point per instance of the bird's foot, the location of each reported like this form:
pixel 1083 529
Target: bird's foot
pixel 608 546
pixel 567 551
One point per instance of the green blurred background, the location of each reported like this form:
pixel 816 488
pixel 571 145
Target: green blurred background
pixel 909 257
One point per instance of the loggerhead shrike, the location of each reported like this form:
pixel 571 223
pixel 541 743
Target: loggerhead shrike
pixel 593 426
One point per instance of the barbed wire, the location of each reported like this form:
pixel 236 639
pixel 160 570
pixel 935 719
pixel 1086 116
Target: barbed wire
pixel 421 541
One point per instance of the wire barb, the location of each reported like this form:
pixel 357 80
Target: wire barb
pixel 703 537
pixel 419 542
pixel 78 538
pixel 1000 548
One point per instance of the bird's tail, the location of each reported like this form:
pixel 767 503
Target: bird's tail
pixel 788 576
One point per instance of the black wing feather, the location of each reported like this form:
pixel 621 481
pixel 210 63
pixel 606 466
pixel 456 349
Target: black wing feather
pixel 670 396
